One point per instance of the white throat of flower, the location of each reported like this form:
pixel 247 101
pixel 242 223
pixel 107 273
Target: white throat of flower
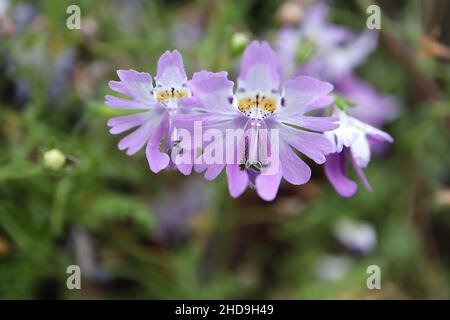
pixel 257 105
pixel 168 96
pixel 255 149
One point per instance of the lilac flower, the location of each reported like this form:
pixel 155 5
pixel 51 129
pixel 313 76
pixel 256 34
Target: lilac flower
pixel 257 106
pixel 332 63
pixel 316 28
pixel 351 140
pixel 337 51
pixel 156 124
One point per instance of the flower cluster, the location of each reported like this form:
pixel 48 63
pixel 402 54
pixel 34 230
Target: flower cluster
pixel 334 53
pixel 256 129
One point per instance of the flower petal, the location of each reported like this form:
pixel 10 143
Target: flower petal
pixel 336 174
pixel 267 185
pixel 136 140
pixel 157 160
pixel 301 92
pixel 136 85
pixel 184 168
pixel 295 170
pixel 124 123
pixel 360 150
pixel 320 103
pixel 170 72
pixel 237 180
pixel 315 26
pixel 213 92
pixel 314 145
pixel 373 132
pixel 311 123
pixel 213 171
pixel 259 69
pixel 361 175
pixel 342 61
pixel 346 134
pixel 124 104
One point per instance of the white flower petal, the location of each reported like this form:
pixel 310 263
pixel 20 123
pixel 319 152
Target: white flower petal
pixel 371 131
pixel 347 132
pixel 361 151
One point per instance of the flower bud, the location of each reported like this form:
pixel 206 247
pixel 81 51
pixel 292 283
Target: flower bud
pixel 239 41
pixel 54 159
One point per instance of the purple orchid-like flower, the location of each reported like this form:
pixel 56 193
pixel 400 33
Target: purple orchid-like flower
pixel 258 106
pixel 157 122
pixel 350 140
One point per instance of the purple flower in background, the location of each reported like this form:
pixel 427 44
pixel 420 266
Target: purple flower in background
pixel 357 236
pixel 61 75
pixel 370 106
pixel 351 141
pixel 257 107
pixel 315 32
pixel 315 26
pixel 156 124
pixel 187 32
pixel 337 51
pixel 175 217
pixel 287 44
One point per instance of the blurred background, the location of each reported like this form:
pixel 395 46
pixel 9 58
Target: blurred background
pixel 69 196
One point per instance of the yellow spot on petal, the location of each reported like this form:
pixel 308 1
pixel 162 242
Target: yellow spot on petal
pixel 268 104
pixel 178 94
pixel 246 104
pixel 258 106
pixel 167 94
pixel 163 95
